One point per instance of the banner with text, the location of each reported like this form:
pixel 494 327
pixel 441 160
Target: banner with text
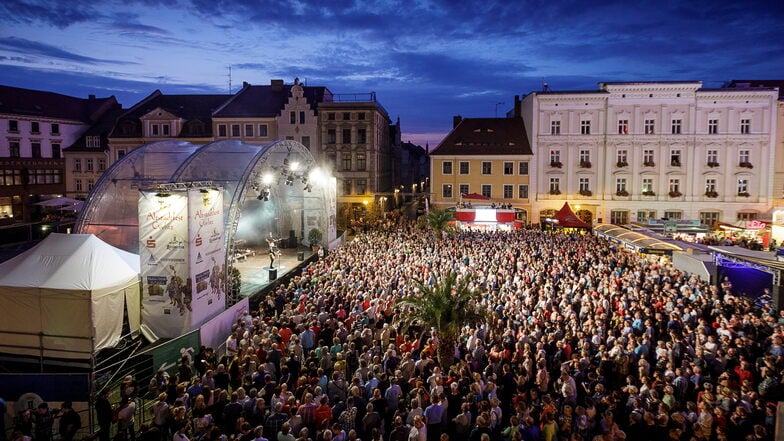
pixel 207 255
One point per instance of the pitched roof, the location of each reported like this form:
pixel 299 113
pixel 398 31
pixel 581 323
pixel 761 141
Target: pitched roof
pixel 486 136
pixel 267 101
pixel 101 128
pixel 37 103
pixel 187 107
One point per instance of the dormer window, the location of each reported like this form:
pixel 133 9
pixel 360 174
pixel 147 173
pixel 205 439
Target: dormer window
pixel 92 141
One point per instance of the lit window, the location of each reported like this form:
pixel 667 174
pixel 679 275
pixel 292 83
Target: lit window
pixel 623 126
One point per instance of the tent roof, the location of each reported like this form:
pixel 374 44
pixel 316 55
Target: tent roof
pixel 567 218
pixel 474 196
pixel 70 262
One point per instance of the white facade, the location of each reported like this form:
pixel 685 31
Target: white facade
pixel 636 151
pixel 36 137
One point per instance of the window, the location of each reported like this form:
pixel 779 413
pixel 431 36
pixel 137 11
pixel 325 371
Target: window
pixel 647 158
pixel 101 164
pixel 92 141
pixel 487 167
pixel 620 186
pixel 585 158
pixel 674 214
pixel 89 164
pixel 647 186
pixel 446 167
pixel 619 217
pixel 745 126
pixel 222 130
pixel 10 177
pixel 13 126
pixel 78 185
pixel 585 127
pixel 289 137
pixel 90 184
pixel 676 126
pixel 508 191
pixel 346 161
pixel 744 158
pixel 713 126
pixel 235 130
pixel 361 186
pixel 347 186
pixel 747 216
pixel 346 116
pixel 555 185
pixel 622 158
pixel 36 149
pixel 649 126
pixel 675 158
pixel 331 116
pixel 56 151
pixel 675 186
pixel 332 136
pixel 710 185
pixel 508 168
pixel 155 129
pixel 522 168
pixel 464 188
pixel 14 150
pixel 55 128
pixel 555 158
pixel 361 116
pixel 346 136
pixel 361 162
pixel 623 126
pixel 306 141
pixel 709 218
pixel 35 127
pixel 361 136
pixel 120 153
pixel 522 191
pixel 292 117
pixel 487 190
pixel 165 128
pixel 302 117
pixel 555 127
pixel 262 130
pixel 248 130
pixel 713 158
pixel 644 215
pixel 743 186
pixel 465 168
pixel 446 191
pixel 585 185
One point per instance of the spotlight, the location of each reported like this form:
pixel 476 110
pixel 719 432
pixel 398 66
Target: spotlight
pixel 290 180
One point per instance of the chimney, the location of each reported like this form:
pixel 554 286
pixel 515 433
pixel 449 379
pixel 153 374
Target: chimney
pixel 518 107
pixel 456 120
pixel 245 84
pixel 276 84
pixel 91 97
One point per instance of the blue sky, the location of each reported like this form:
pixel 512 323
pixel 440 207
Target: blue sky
pixel 427 60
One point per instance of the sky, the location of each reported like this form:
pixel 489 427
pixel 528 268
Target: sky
pixel 427 60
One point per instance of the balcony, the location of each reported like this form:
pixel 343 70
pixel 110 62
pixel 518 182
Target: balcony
pixel 586 193
pixel 675 194
pixel 585 164
pixel 711 194
pixel 649 164
pixel 712 164
pixel 556 164
pixel 621 164
pixel 745 164
pixel 743 194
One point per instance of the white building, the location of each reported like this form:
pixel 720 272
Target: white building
pixel 649 150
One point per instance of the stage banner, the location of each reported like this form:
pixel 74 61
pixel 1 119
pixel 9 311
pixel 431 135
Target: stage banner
pixel 207 254
pixel 213 333
pixel 163 252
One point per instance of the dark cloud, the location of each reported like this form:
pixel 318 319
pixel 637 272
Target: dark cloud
pixel 28 47
pixel 60 14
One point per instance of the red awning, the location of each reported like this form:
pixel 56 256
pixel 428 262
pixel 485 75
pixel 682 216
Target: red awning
pixel 474 196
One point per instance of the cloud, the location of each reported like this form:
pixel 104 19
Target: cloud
pixel 28 47
pixel 60 14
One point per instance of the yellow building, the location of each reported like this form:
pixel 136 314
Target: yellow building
pixel 486 156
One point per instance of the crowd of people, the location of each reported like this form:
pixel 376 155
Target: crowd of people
pixel 584 342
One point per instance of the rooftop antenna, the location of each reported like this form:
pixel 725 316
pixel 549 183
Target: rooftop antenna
pixel 230 79
pixel 545 86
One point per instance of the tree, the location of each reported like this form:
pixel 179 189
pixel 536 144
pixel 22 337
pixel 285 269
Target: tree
pixel 439 222
pixel 446 306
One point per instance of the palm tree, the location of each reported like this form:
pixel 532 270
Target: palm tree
pixel 448 305
pixel 438 222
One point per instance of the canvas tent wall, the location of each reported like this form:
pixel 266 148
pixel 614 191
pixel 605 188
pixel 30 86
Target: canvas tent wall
pixel 65 297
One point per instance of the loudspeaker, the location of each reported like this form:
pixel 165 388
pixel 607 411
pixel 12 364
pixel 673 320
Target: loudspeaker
pixel 273 273
pixel 292 239
pixel 300 255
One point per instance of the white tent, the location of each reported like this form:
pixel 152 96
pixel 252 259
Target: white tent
pixel 65 297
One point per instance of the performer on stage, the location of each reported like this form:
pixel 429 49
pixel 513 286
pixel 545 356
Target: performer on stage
pixel 273 249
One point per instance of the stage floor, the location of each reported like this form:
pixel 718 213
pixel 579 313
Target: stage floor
pixel 255 267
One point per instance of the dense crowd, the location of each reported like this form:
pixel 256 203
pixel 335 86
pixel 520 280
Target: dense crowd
pixel 585 342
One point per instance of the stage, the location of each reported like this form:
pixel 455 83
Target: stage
pixel 253 263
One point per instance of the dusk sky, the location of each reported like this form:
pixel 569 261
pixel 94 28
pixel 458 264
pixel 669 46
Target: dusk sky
pixel 427 60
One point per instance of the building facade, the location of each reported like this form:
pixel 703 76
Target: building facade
pixel 488 156
pixel 35 128
pixel 649 150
